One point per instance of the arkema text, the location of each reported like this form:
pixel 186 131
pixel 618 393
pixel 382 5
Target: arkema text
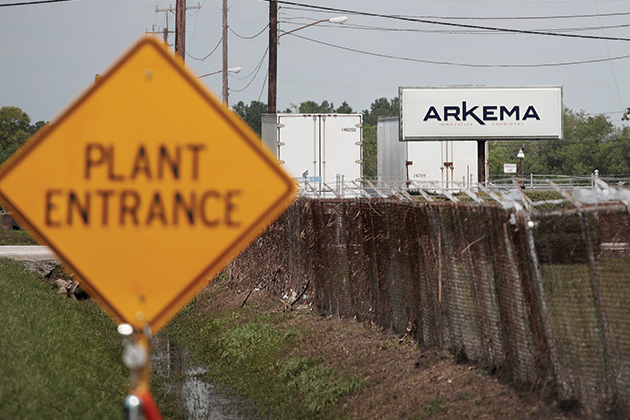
pixel 481 113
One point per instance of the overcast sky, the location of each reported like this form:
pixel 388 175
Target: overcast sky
pixel 50 52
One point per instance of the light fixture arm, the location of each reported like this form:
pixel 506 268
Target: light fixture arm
pixel 231 70
pixel 272 85
pixel 341 19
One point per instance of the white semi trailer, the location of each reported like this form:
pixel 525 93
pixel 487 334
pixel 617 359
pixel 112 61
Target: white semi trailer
pixel 444 164
pixel 318 148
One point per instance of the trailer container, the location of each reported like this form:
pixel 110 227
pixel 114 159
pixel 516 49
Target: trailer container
pixel 324 148
pixel 443 164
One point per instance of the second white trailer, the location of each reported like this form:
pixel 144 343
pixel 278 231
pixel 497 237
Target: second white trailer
pixel 443 164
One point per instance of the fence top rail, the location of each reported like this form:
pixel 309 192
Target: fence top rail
pixel 547 195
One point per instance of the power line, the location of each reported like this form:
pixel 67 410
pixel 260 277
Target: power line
pixel 350 26
pixel 258 66
pixel 248 23
pixel 262 87
pixel 206 57
pixel 256 70
pixel 29 3
pixel 612 68
pixel 500 17
pixel 459 25
pixel 249 37
pixel 418 60
pixel 525 17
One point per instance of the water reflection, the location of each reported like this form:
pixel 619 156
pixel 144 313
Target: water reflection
pixel 202 400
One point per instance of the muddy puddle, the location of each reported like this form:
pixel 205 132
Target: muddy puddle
pixel 186 385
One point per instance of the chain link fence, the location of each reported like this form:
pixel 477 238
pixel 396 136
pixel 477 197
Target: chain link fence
pixel 541 297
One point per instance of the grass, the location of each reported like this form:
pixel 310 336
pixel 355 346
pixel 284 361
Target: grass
pixel 59 358
pixel 316 382
pixel 249 352
pixel 62 359
pixel 16 237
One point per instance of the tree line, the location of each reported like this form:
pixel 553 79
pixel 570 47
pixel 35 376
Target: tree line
pixel 590 141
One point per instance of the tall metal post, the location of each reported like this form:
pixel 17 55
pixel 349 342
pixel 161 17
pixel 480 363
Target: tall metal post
pixel 139 403
pixel 273 56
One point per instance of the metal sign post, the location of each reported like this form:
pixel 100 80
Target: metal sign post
pixel 139 403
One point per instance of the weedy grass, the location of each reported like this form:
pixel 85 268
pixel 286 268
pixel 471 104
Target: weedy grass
pixel 59 358
pixel 248 351
pixel 316 382
pixel 16 237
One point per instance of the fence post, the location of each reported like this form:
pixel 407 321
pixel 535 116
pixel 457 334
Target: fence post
pixel 546 322
pixel 606 335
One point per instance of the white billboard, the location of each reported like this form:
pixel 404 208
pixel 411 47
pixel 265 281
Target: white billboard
pixel 471 112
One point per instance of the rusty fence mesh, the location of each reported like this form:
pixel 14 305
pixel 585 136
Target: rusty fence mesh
pixel 542 297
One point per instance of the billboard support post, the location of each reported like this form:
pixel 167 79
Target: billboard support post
pixel 481 161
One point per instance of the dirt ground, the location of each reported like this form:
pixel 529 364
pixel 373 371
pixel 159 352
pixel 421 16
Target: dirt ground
pixel 402 382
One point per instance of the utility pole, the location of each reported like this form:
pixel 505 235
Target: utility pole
pixel 225 52
pixel 273 56
pixel 180 26
pixel 165 31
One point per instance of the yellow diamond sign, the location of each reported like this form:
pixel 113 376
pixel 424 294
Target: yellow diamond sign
pixel 146 186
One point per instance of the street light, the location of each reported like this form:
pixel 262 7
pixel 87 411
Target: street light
pixel 232 70
pixel 273 50
pixel 340 19
pixel 521 155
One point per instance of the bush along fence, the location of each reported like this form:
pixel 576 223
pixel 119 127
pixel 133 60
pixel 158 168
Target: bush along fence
pixel 542 297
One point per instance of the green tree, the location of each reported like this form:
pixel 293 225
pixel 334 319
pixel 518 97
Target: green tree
pixel 252 114
pixel 380 107
pixel 344 109
pixel 308 107
pixel 15 129
pixel 587 145
pixel 312 107
pixel 34 128
pixel 370 162
pixel 579 126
